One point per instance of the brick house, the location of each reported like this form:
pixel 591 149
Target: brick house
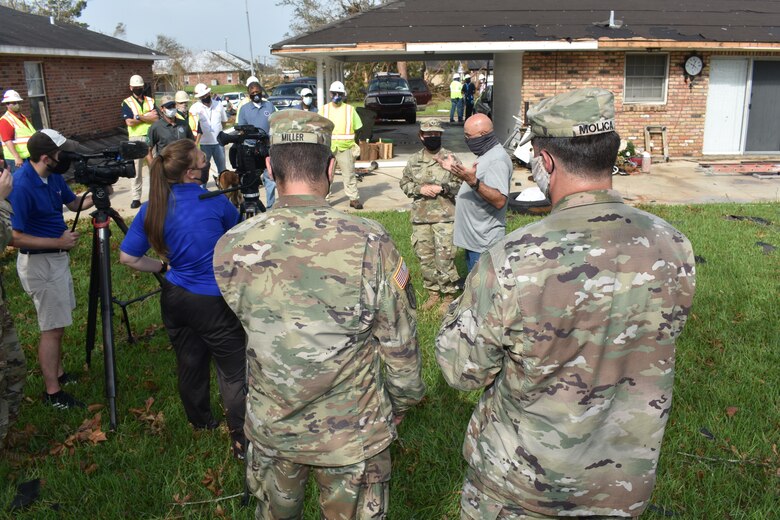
pixel 725 103
pixel 71 79
pixel 209 67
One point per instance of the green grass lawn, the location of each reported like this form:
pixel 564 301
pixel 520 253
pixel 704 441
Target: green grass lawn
pixel 719 460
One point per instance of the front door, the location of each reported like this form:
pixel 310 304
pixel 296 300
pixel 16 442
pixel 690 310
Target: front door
pixel 763 133
pixel 723 124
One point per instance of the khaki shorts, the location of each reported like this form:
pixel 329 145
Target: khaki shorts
pixel 46 278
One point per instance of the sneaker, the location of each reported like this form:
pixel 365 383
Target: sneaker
pixel 66 379
pixel 62 400
pixel 355 204
pixel 135 204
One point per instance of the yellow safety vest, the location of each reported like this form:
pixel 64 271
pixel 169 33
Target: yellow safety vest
pixel 138 110
pixel 343 137
pixel 191 120
pixel 455 88
pixel 23 130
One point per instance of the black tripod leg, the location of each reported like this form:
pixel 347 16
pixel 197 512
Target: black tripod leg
pixel 93 300
pixel 104 254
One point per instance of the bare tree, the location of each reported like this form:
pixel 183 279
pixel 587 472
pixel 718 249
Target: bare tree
pixel 178 54
pixel 120 31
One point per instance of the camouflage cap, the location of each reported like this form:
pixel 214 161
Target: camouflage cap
pixel 299 126
pixel 578 113
pixel 431 125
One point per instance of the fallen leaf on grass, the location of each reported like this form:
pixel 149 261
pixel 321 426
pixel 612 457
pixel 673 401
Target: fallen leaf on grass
pixel 731 411
pixel 150 385
pixel 95 407
pixel 180 500
pixel 219 512
pixel 89 431
pixel 155 421
pixel 88 469
pixel 212 481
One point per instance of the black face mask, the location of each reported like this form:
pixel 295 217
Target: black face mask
pixel 206 100
pixel 204 175
pixel 62 165
pixel 480 145
pixel 432 143
pixel 138 91
pixel 257 98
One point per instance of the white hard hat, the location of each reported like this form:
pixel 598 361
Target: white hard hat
pixel 481 77
pixel 466 76
pixel 250 80
pixel 11 96
pixel 456 76
pixel 181 97
pixel 306 92
pixel 136 81
pixel 201 90
pixel 337 86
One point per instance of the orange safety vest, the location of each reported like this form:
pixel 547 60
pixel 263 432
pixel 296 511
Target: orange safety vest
pixel 138 110
pixel 23 130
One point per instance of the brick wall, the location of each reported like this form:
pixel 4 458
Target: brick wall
pixel 220 77
pixel 546 74
pixel 84 95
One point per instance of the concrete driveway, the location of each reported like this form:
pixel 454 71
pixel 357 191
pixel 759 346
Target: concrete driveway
pixel 676 182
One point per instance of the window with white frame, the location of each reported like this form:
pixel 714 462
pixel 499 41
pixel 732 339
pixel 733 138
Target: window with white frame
pixel 646 76
pixel 230 77
pixel 36 94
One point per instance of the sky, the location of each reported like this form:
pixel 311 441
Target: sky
pixel 196 24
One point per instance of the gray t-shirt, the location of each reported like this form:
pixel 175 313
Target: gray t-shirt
pixel 478 225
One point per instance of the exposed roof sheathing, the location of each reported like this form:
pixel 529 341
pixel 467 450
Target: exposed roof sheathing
pixel 441 21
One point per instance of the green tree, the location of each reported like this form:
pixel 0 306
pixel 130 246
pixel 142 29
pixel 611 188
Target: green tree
pixel 67 11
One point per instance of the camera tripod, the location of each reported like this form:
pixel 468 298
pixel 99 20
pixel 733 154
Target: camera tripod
pixel 100 289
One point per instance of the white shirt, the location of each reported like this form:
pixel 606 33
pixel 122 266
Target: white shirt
pixel 210 118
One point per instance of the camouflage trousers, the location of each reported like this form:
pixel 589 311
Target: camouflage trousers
pixel 358 491
pixel 433 246
pixel 13 371
pixel 478 502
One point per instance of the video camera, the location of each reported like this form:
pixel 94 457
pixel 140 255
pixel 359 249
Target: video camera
pixel 248 156
pixel 116 162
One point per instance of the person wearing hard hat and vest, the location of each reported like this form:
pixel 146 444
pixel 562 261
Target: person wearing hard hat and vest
pixel 346 122
pixel 456 98
pixel 139 113
pixel 182 100
pixel 15 131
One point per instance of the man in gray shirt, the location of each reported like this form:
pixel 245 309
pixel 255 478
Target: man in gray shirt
pixel 480 207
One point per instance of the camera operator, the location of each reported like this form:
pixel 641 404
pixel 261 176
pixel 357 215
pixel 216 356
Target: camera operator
pixel 43 240
pixel 167 129
pixel 183 230
pixel 256 113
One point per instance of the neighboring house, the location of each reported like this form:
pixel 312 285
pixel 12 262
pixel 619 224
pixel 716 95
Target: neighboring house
pixel 72 79
pixel 209 67
pixel 723 103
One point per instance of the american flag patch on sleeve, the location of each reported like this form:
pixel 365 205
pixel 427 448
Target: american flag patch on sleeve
pixel 401 275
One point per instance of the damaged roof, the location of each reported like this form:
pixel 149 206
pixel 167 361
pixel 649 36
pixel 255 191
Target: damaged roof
pixel 448 21
pixel 25 33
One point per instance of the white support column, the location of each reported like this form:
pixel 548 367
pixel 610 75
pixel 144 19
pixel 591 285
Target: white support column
pixel 320 83
pixel 507 92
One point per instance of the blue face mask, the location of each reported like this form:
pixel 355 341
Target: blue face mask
pixel 337 98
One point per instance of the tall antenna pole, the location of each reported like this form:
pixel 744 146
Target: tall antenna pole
pixel 249 30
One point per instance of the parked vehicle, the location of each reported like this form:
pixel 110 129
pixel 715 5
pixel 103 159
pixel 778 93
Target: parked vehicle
pixel 390 97
pixel 420 90
pixel 288 95
pixel 230 100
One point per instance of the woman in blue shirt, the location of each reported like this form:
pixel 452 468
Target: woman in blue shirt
pixel 183 230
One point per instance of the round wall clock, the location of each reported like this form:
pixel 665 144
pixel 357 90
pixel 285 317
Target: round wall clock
pixel 693 65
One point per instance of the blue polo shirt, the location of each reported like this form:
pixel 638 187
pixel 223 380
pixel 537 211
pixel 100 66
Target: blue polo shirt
pixel 256 116
pixel 191 230
pixel 37 205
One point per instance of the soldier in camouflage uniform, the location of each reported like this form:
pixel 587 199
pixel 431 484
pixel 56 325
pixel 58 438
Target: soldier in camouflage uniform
pixel 570 323
pixel 433 191
pixel 333 363
pixel 13 367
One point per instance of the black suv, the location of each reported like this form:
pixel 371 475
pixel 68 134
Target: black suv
pixel 390 97
pixel 288 95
